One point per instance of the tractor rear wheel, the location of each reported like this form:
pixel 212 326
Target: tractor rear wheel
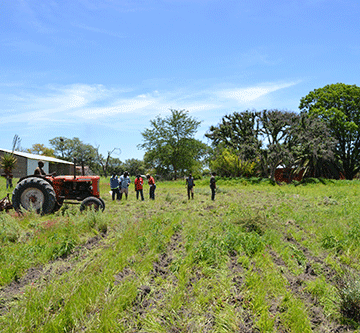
pixel 92 203
pixel 34 193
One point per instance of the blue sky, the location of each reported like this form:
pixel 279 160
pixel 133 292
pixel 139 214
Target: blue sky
pixel 100 70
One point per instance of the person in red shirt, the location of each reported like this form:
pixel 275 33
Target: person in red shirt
pixel 139 187
pixel 152 185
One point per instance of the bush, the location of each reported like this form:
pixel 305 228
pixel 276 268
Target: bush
pixel 63 248
pixel 229 164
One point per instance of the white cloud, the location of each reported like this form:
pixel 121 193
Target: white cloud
pixel 100 31
pixel 123 106
pixel 199 107
pixel 81 102
pixel 248 94
pixel 52 102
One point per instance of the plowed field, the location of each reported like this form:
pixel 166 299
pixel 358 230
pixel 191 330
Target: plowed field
pixel 259 258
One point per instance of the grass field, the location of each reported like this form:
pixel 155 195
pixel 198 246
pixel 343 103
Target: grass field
pixel 260 258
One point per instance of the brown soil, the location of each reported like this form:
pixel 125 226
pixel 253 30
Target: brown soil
pixel 320 323
pixel 37 275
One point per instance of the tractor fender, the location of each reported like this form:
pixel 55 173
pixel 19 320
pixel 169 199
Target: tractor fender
pixel 36 176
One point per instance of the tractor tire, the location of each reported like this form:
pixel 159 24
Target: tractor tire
pixel 58 205
pixel 92 203
pixel 34 193
pixel 103 203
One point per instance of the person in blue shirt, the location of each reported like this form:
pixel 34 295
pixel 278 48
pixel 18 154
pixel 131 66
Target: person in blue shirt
pixel 124 184
pixel 114 185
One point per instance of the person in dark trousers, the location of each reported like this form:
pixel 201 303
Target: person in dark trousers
pixel 213 185
pixel 152 185
pixel 9 178
pixel 124 184
pixel 190 186
pixel 139 187
pixel 39 170
pixel 114 185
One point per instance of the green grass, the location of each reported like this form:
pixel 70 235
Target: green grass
pixel 260 257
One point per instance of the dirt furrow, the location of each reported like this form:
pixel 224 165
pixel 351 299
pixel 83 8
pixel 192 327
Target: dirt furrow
pixel 150 296
pixel 247 323
pixel 297 285
pixel 34 275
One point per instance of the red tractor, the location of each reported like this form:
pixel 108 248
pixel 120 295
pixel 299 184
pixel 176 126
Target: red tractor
pixel 46 194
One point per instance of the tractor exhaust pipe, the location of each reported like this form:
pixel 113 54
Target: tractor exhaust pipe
pixel 74 168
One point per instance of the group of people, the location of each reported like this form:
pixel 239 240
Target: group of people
pixel 139 182
pixel 120 186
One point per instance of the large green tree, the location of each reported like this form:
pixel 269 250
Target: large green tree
pixel 40 149
pixel 70 149
pixel 338 105
pixel 271 138
pixel 115 166
pixel 314 148
pixel 170 144
pixel 134 166
pixel 237 132
pixel 277 136
pixel 263 137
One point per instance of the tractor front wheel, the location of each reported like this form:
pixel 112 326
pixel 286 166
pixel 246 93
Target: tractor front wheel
pixel 92 203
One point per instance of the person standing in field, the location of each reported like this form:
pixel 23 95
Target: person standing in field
pixel 152 185
pixel 213 185
pixel 124 184
pixel 8 178
pixel 190 186
pixel 114 185
pixel 139 187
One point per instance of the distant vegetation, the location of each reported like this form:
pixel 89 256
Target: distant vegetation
pixel 321 141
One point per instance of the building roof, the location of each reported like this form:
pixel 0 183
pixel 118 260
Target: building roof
pixel 36 157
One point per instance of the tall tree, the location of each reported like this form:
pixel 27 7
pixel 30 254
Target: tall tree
pixel 256 136
pixel 275 128
pixel 238 132
pixel 63 147
pixel 314 149
pixel 134 166
pixel 70 149
pixel 338 105
pixel 170 144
